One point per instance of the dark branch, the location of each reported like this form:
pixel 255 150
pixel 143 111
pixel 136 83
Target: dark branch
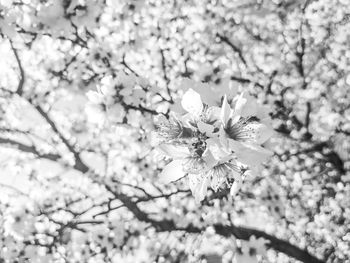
pixel 78 162
pixel 245 80
pixel 307 116
pixel 169 225
pixel 29 149
pixel 236 49
pixel 19 90
pixel 275 243
pixel 164 69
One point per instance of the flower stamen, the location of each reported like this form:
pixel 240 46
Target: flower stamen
pixel 241 130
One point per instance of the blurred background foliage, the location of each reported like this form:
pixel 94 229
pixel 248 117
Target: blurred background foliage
pixel 79 183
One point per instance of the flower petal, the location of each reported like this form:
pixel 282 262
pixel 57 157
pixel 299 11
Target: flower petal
pixel 236 186
pixel 192 102
pixel 240 103
pixel 172 172
pixel 250 107
pixel 260 132
pixel 217 180
pixel 209 159
pixel 223 138
pixel 225 111
pixel 193 181
pixel 265 132
pixel 215 147
pixel 249 154
pixel 208 95
pixel 175 152
pixel 201 190
pixel 205 128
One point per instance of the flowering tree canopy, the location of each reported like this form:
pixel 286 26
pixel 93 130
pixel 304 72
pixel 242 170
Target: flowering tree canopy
pixel 175 131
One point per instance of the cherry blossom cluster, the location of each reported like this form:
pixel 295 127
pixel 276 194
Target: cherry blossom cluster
pixel 114 96
pixel 214 143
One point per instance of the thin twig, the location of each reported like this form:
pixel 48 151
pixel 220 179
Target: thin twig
pixel 233 47
pixel 19 90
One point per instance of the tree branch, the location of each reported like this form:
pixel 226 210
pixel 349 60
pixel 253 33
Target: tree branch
pixel 274 242
pixel 29 149
pixel 226 231
pixel 233 47
pixel 245 80
pixel 164 69
pixel 307 115
pixel 19 90
pixel 78 162
pixel 169 225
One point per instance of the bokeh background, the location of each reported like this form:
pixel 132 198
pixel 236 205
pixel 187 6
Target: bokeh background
pixel 79 178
